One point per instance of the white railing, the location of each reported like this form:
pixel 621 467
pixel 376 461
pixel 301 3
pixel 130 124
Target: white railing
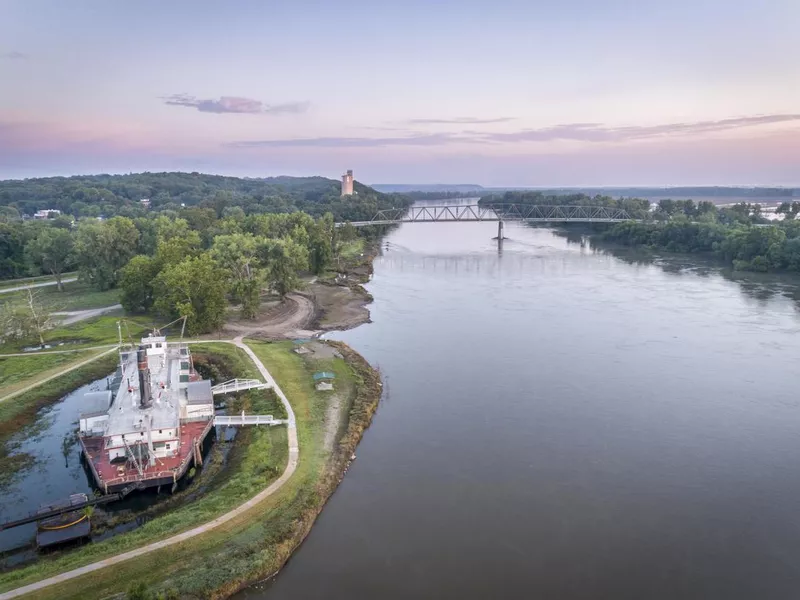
pixel 234 420
pixel 238 385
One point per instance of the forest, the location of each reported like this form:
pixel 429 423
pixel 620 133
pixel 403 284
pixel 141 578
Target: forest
pixel 203 241
pixel 113 195
pixel 636 207
pixel 738 235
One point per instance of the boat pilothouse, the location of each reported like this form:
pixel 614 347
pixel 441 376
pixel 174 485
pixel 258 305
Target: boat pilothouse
pixel 151 430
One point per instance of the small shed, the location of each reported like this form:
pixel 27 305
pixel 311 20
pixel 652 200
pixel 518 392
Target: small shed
pixel 324 386
pixel 302 350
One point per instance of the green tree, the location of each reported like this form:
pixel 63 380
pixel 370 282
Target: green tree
pixel 283 259
pixel 103 248
pixel 238 255
pixel 12 251
pixel 51 252
pixel 174 249
pixel 136 281
pixel 320 244
pixel 25 319
pixel 194 288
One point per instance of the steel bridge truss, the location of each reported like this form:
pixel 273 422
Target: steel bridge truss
pixel 533 213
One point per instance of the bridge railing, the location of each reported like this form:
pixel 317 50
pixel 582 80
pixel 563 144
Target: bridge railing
pixel 238 385
pixel 498 212
pixel 234 420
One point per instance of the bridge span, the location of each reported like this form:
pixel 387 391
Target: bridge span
pixel 528 213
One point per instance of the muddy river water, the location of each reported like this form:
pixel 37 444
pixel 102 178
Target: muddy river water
pixel 564 422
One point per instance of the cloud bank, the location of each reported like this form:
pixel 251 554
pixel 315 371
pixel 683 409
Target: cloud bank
pixel 579 132
pixel 14 55
pixel 234 104
pixel 459 121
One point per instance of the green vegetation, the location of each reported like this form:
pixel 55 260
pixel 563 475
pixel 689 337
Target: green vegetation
pixel 22 408
pixel 636 207
pixel 112 195
pixel 736 235
pixel 199 241
pixel 9 283
pixel 16 369
pixel 254 544
pixel 76 295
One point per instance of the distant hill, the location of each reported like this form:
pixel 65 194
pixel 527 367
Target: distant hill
pixel 405 188
pixel 706 192
pixel 110 195
pixel 430 191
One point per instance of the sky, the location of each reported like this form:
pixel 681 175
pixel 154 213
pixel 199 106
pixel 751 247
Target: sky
pixel 491 92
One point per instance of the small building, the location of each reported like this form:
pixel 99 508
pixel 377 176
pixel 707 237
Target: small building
pixel 322 375
pixel 324 386
pixel 145 202
pixel 46 213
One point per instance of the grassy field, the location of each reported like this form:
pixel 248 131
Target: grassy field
pixel 93 332
pixel 256 543
pixel 17 372
pixel 77 295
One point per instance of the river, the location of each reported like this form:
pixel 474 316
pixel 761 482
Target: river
pixel 561 422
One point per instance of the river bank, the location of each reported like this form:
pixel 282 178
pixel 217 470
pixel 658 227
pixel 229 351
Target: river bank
pixel 257 543
pixel 334 305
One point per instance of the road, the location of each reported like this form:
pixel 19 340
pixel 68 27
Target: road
pixel 36 285
pixel 291 466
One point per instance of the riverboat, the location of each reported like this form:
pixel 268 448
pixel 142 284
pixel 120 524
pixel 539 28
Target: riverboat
pixel 149 428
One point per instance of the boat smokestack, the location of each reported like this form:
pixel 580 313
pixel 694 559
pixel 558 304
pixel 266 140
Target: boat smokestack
pixel 145 400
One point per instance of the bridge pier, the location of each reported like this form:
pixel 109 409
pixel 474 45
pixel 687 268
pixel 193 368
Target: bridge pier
pixel 500 230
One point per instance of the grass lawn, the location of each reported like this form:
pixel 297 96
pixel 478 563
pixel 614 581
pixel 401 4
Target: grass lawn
pixel 351 250
pixel 77 295
pixel 95 332
pixel 19 371
pixel 254 544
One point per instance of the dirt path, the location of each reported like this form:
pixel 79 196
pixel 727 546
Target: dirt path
pixel 291 466
pixel 289 319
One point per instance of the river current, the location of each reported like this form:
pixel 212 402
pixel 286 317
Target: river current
pixel 565 422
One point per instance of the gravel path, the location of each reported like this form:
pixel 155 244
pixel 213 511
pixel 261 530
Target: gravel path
pixel 36 285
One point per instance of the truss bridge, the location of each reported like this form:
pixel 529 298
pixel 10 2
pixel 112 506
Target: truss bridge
pixel 529 213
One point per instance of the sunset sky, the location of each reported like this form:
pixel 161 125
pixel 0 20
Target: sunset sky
pixel 500 92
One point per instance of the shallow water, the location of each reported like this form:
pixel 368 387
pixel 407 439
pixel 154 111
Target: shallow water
pixel 561 422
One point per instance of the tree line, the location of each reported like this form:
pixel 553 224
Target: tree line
pixel 739 235
pixel 201 200
pixel 636 207
pixel 121 195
